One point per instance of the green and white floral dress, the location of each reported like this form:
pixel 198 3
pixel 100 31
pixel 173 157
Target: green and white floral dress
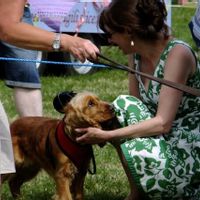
pixel 165 166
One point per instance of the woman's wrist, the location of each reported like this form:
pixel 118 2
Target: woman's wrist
pixel 109 135
pixel 65 42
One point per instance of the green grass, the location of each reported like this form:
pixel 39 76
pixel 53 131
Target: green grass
pixel 104 83
pixel 180 19
pixel 110 182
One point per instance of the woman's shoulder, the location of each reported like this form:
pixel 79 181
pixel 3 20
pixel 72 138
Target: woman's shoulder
pixel 175 42
pixel 182 54
pixel 179 47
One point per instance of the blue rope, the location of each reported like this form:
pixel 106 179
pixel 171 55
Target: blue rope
pixel 51 62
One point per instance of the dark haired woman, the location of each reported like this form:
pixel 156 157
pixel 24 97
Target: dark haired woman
pixel 160 134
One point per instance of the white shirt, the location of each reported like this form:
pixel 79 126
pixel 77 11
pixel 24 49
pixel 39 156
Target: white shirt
pixel 196 22
pixel 6 151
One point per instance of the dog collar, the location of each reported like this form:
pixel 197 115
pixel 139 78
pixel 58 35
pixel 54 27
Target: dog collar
pixel 79 154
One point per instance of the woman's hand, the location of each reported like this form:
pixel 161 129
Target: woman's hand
pixel 80 48
pixel 92 135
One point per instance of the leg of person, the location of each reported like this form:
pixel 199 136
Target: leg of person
pixel 130 110
pixel 134 192
pixel 28 102
pixel 163 166
pixel 23 77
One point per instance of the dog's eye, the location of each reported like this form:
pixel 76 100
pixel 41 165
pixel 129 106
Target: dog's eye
pixel 91 103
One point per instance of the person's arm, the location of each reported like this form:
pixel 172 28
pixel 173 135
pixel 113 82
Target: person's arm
pixel 15 32
pixel 179 67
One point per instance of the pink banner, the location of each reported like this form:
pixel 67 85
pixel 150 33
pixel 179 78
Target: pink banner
pixel 75 16
pixel 52 13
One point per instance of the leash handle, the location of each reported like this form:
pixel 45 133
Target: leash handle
pixel 178 86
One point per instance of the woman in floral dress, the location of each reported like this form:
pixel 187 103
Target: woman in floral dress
pixel 160 134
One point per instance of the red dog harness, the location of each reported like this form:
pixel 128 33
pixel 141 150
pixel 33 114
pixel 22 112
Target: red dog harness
pixel 79 154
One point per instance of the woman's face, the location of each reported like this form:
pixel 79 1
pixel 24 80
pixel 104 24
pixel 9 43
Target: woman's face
pixel 122 40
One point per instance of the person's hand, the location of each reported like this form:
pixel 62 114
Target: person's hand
pixel 91 135
pixel 81 48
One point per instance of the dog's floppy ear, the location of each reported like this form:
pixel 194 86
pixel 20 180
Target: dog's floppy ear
pixel 77 119
pixel 62 99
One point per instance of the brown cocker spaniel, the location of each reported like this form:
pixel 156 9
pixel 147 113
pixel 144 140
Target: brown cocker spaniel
pixel 49 144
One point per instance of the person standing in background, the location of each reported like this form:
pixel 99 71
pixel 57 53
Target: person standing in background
pixel 23 77
pixel 14 31
pixel 194 26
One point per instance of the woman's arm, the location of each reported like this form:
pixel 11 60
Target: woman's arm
pixel 13 31
pixel 178 68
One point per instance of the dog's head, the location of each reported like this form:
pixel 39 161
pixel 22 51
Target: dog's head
pixel 85 109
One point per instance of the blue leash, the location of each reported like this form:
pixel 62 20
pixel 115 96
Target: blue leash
pixel 52 62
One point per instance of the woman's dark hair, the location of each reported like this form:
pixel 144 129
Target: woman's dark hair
pixel 143 18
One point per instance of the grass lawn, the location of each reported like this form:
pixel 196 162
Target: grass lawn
pixel 110 182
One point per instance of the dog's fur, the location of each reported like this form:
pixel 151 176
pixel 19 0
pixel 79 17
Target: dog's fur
pixel 30 135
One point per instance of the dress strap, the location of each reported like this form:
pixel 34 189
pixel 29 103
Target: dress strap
pixel 174 42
